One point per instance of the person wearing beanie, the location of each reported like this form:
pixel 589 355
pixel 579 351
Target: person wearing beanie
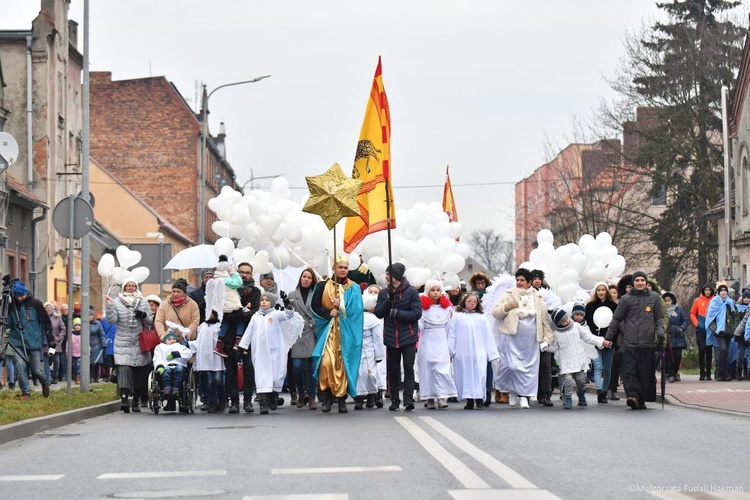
pixel 578 313
pixel 524 325
pixel 268 338
pixel 721 321
pixel 571 355
pixel 640 319
pixel 27 335
pixel 199 294
pixel 130 314
pixel 400 308
pixel 250 301
pixel 436 383
pixel 698 312
pixel 678 323
pixel 603 363
pixel 339 319
pixel 624 286
pixel 180 309
pixel 170 361
pixel 268 283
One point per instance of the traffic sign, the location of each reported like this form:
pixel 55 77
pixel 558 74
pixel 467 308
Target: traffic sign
pixel 79 210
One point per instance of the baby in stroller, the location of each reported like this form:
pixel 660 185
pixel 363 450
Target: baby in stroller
pixel 170 363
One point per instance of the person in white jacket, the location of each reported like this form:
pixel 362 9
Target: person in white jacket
pixel 210 366
pixel 373 353
pixel 170 361
pixel 571 356
pixel 433 357
pixel 269 345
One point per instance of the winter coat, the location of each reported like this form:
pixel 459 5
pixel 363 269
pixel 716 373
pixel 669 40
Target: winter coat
pixel 698 311
pixel 59 331
pixel 530 303
pixel 639 317
pixel 591 308
pixel 678 323
pixel 719 311
pixel 250 300
pixel 568 347
pixel 186 315
pixel 163 350
pixel 97 342
pixel 400 315
pixel 109 335
pixel 75 341
pixel 303 348
pixel 127 347
pixel 30 317
pixel 199 296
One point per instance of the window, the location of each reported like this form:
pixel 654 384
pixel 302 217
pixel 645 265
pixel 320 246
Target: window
pixel 659 193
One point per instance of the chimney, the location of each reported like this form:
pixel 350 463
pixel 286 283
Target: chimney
pixel 73 33
pixel 220 141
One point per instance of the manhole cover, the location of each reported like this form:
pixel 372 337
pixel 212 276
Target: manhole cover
pixel 169 494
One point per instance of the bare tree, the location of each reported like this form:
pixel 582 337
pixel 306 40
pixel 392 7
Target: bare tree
pixel 492 250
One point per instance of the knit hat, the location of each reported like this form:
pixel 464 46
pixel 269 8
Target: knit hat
pixel 673 298
pixel 578 308
pixel 537 273
pixel 430 283
pixel 396 271
pixel 559 316
pixel 640 274
pixel 746 294
pixel 19 288
pixel 170 333
pixel 722 286
pixel 207 271
pixel 153 298
pixel 76 321
pixel 223 264
pixel 268 275
pixel 180 284
pixel 49 304
pixel 123 283
pixel 271 297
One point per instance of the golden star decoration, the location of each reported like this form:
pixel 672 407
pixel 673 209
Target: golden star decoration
pixel 333 196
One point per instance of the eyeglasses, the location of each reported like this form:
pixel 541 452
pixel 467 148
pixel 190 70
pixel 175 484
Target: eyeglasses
pixel 246 272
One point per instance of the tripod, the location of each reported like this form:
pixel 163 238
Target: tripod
pixel 6 301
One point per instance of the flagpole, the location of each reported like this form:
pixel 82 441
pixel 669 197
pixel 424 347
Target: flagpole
pixel 388 224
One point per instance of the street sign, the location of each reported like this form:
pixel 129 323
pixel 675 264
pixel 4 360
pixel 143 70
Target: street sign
pixel 81 213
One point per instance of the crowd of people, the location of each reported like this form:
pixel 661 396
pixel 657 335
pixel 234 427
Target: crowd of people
pixel 328 340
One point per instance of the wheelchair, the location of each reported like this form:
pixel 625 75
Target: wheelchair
pixel 187 399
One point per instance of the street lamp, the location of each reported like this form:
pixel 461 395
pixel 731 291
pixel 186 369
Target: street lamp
pixel 204 156
pixel 253 178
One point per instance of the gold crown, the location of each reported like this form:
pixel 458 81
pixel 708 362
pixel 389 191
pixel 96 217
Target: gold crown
pixel 342 257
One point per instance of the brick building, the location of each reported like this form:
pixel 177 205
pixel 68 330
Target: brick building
pixel 146 135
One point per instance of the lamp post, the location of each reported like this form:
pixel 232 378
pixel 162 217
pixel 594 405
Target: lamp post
pixel 204 156
pixel 253 178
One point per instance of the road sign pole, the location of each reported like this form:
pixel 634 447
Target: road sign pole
pixel 69 354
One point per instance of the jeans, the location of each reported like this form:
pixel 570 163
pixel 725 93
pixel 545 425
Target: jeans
pixel 35 362
pixel 173 376
pixel 46 363
pixel 248 373
pixel 59 361
pixel 722 358
pixel 705 352
pixel 232 327
pixel 545 374
pixel 570 380
pixel 10 366
pixel 76 367
pixel 303 368
pixel 211 385
pixel 394 355
pixel 603 368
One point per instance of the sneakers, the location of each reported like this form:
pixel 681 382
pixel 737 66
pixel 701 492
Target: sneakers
pixel 247 405
pixel 409 407
pixel 524 402
pixel 442 404
pixel 28 396
pixel 395 404
pixel 219 349
pixel 45 390
pixel 512 399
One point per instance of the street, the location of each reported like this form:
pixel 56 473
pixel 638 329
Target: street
pixel 603 451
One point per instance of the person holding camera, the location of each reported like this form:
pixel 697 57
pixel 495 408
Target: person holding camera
pixel 29 325
pixel 130 313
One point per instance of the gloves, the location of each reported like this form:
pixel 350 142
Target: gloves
pixel 160 369
pixel 173 355
pixel 394 313
pixel 660 341
pixel 285 299
pixel 141 314
pixel 241 353
pixel 543 346
pixel 510 305
pixel 51 351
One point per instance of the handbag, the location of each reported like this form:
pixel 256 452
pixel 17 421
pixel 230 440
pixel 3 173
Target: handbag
pixel 148 339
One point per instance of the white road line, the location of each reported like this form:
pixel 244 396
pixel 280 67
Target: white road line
pixel 336 470
pixel 456 467
pixel 513 478
pixel 518 494
pixel 152 474
pixel 312 496
pixel 29 477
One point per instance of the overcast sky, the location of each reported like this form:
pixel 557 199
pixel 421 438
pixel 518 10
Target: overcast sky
pixel 482 86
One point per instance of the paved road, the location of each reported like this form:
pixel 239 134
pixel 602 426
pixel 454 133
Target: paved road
pixel 602 451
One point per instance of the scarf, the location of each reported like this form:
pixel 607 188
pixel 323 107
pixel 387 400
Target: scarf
pixel 264 312
pixel 526 302
pixel 178 301
pixel 128 298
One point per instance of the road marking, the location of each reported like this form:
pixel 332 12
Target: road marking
pixel 311 496
pixel 518 494
pixel 336 470
pixel 514 479
pixel 460 471
pixel 150 475
pixel 29 477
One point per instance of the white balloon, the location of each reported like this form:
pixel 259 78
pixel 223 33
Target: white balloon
pixel 280 257
pixel 562 256
pixel 534 256
pixel 279 187
pixel 106 265
pixel 261 264
pixel 377 265
pixel 224 246
pixel 567 276
pixel 127 257
pixel 582 296
pixel 463 249
pixel 238 215
pixel 456 229
pixel 578 262
pixel 453 264
pixel 220 227
pixel 602 316
pixel 526 265
pixel 269 223
pixel 616 266
pixel 139 274
pixel 446 246
pixel 354 261
pixel 451 281
pixel 545 236
pixel 427 231
pixel 586 241
pixel 418 275
pixel 603 239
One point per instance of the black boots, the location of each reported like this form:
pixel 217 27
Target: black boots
pixel 342 405
pixel 547 399
pixel 326 400
pixel 370 401
pixel 359 403
pixel 124 403
pixel 601 397
pixel 263 402
pixel 379 399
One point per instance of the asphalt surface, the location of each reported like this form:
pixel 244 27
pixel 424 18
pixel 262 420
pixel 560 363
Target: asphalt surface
pixel 601 451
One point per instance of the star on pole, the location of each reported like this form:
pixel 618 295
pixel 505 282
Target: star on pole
pixel 333 196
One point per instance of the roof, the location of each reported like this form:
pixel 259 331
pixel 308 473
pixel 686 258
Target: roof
pixel 23 192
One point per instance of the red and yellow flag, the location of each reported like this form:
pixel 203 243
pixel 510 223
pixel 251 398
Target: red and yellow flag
pixel 449 203
pixel 372 166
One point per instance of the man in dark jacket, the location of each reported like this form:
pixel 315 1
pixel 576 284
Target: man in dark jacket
pixel 401 309
pixel 29 326
pixel 199 294
pixel 640 319
pixel 250 300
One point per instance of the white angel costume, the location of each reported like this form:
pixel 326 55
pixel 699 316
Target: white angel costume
pixel 433 356
pixel 471 346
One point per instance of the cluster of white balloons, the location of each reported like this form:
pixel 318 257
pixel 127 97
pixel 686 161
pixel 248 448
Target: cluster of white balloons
pixel 127 258
pixel 424 241
pixel 271 229
pixel 572 270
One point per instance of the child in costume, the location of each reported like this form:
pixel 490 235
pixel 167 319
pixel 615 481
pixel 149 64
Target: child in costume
pixel 170 360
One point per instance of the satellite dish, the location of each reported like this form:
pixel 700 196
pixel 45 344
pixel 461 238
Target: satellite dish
pixel 8 149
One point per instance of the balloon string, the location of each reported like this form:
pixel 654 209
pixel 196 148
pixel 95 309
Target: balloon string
pixel 303 260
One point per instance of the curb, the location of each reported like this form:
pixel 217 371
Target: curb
pixel 27 428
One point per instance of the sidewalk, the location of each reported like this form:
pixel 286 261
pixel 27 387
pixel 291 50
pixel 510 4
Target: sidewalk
pixel 732 397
